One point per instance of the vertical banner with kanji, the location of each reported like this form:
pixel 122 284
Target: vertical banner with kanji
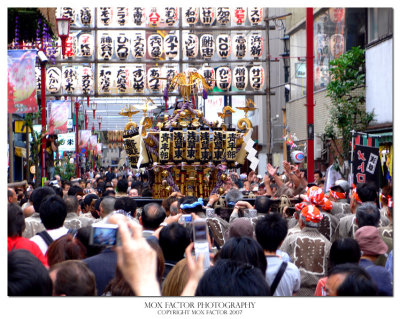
pixel 84 137
pixel 366 165
pixel 59 112
pixel 93 142
pixel 22 81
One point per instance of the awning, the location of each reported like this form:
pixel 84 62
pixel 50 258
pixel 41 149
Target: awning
pixel 385 138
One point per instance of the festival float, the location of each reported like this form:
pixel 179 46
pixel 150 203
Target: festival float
pixel 185 152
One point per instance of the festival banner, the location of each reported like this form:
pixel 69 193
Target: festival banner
pixel 366 165
pixel 84 136
pixel 93 142
pixel 58 116
pixel 22 81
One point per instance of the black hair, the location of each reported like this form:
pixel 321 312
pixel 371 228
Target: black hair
pixel 122 185
pixel 83 234
pixel 108 192
pixel 152 216
pixel 246 250
pixel 368 214
pixel 233 196
pixel 16 220
pixel 75 190
pixel 271 230
pixel 53 212
pixel 318 172
pixel 74 278
pixel 344 250
pixel 357 282
pixel 89 198
pixel 26 275
pixel 126 203
pixel 58 191
pixel 39 194
pixel 262 204
pixel 173 240
pixel 191 200
pixel 232 278
pixel 367 192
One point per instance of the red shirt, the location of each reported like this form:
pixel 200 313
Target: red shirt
pixel 24 243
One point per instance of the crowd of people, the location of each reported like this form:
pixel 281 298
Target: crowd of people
pixel 270 235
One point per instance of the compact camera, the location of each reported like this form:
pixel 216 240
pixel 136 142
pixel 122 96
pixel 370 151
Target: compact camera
pixel 104 235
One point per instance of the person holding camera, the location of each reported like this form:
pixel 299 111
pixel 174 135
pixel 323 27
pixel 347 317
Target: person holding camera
pixel 51 147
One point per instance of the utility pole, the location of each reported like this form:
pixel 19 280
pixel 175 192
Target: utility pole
pixel 267 89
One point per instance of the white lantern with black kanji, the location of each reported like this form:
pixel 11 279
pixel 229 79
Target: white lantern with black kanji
pixel 138 15
pixel 207 15
pixel 256 15
pixel 139 45
pixel 68 12
pixel 171 15
pixel 122 16
pixel 239 15
pixel 122 46
pixel 106 78
pixel 155 45
pixel 168 72
pixel 38 76
pixel 256 44
pixel 122 79
pixel 154 17
pixel 223 45
pixel 223 15
pixel 207 46
pixel 223 78
pixel 138 78
pixel 240 77
pixel 53 79
pixel 239 46
pixel 256 77
pixel 105 15
pixel 209 75
pixel 85 45
pixel 105 46
pixel 86 81
pixel 191 45
pixel 153 79
pixel 171 45
pixel 69 79
pixel 191 15
pixel 70 46
pixel 86 16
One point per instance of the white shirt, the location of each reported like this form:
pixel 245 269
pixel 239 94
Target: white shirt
pixel 290 281
pixel 54 233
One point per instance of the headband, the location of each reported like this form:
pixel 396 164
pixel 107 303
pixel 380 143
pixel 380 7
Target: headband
pixel 192 205
pixel 312 214
pixel 337 195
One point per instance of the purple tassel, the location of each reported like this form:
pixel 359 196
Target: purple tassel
pixel 205 94
pixel 166 93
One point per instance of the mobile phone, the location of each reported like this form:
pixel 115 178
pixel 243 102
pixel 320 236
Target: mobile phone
pixel 185 219
pixel 200 236
pixel 104 235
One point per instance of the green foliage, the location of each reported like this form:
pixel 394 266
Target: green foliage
pixel 65 169
pixel 347 93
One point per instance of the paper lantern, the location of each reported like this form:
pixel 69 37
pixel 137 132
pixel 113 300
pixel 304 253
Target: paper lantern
pixel 240 77
pixel 122 16
pixel 153 81
pixel 122 79
pixel 336 45
pixel 70 46
pixel 122 46
pixel 207 15
pixel 209 76
pixel 138 78
pixel 256 76
pixel 223 78
pixel 191 15
pixel 139 45
pixel 38 76
pixel 297 156
pixel 69 79
pixel 155 45
pixel 171 15
pixel 85 45
pixel 171 46
pixel 169 71
pixel 53 79
pixel 191 45
pixel 256 15
pixel 106 77
pixel 239 15
pixel 207 46
pixel 106 16
pixel 336 14
pixel 67 12
pixel 239 46
pixel 106 46
pixel 256 43
pixel 86 81
pixel 223 15
pixel 154 17
pixel 138 15
pixel 224 45
pixel 85 16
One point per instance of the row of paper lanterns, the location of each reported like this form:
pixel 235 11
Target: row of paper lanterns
pixel 140 16
pixel 124 45
pixel 135 78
